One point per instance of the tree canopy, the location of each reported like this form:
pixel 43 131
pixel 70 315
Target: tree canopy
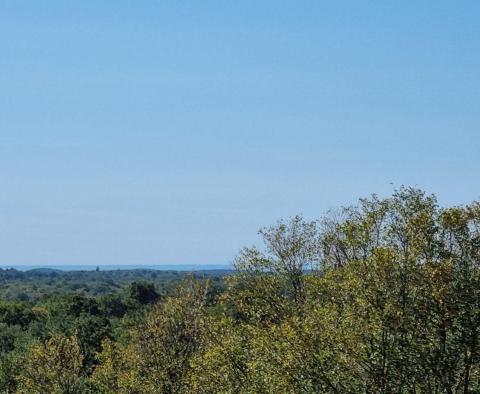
pixel 381 297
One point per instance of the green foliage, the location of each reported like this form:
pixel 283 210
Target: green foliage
pixel 144 293
pixel 383 297
pixel 158 357
pixel 36 284
pixel 53 367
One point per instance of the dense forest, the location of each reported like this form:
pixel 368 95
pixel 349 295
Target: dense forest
pixel 35 284
pixel 381 297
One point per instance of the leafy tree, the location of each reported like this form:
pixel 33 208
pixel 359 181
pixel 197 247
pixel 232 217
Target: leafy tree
pixel 52 367
pixel 116 372
pixel 159 354
pixel 144 292
pixel 113 305
pixel 8 372
pixel 16 313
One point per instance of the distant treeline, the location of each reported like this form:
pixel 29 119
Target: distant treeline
pixel 382 297
pixel 33 284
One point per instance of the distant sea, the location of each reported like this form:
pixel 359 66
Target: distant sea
pixel 110 267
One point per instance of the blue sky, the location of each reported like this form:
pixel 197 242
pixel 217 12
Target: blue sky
pixel 168 132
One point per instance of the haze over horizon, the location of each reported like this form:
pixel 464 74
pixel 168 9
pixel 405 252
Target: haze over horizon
pixel 164 133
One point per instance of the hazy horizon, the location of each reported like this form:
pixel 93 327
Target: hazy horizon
pixel 111 267
pixel 164 132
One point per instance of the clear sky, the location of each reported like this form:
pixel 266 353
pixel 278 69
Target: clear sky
pixel 168 132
